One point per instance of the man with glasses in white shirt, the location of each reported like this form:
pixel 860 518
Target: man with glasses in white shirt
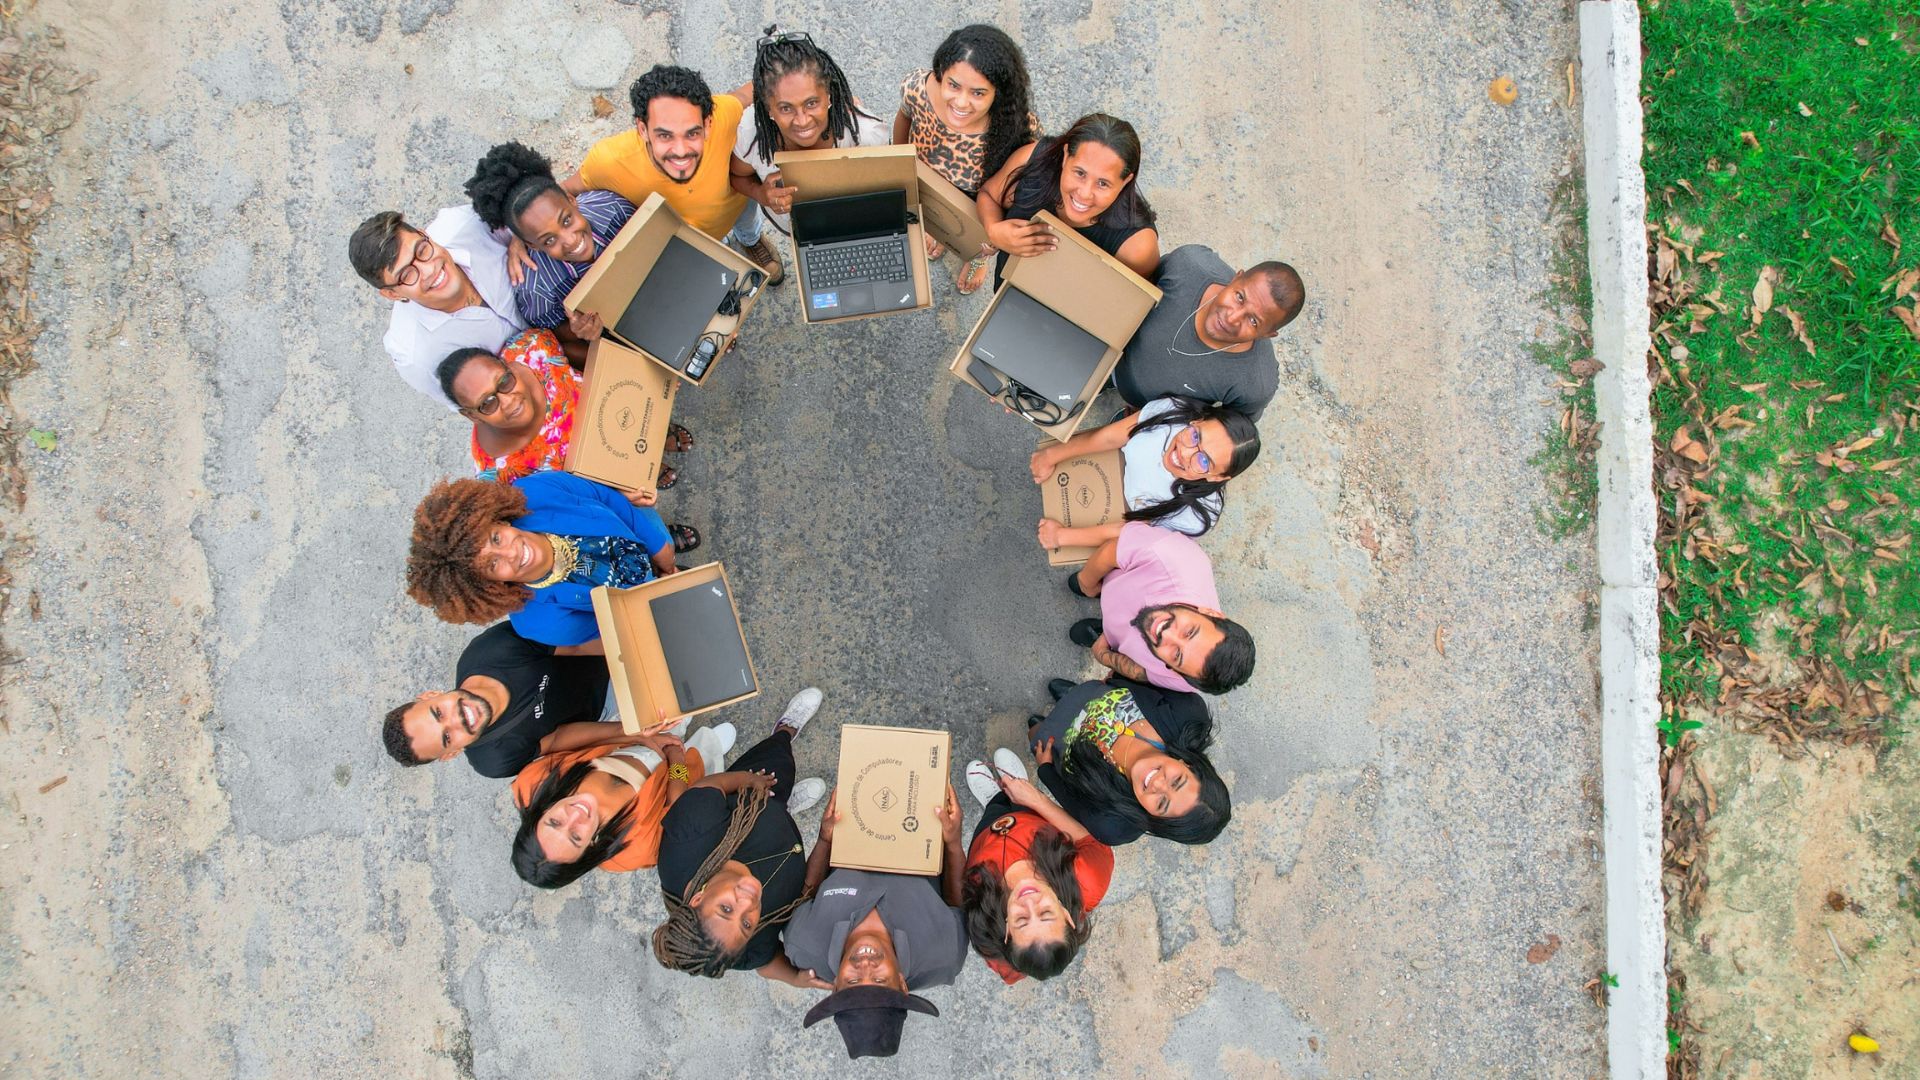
pixel 448 284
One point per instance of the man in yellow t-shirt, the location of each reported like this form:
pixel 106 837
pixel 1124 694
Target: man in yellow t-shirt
pixel 681 146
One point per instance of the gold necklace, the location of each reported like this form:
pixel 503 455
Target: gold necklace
pixel 566 556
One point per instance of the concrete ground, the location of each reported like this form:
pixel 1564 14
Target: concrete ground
pixel 234 880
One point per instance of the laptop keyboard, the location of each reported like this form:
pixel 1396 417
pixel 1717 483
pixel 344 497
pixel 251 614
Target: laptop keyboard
pixel 882 259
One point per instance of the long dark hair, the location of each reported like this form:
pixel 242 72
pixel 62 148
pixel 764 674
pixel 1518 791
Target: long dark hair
pixel 505 183
pixel 775 60
pixel 1039 178
pixel 1206 498
pixel 1088 774
pixel 682 942
pixel 988 50
pixel 532 864
pixel 984 901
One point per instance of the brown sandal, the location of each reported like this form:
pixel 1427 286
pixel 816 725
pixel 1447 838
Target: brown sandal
pixel 666 478
pixel 685 538
pixel 679 439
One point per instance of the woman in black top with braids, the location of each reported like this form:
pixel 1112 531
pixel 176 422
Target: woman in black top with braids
pixel 801 101
pixel 1085 176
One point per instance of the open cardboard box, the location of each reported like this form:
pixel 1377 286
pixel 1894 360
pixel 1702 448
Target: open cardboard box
pixel 891 784
pixel 636 663
pixel 1090 289
pixel 617 274
pixel 626 406
pixel 1084 492
pixel 858 170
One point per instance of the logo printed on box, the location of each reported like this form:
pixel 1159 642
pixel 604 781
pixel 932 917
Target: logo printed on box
pixel 624 417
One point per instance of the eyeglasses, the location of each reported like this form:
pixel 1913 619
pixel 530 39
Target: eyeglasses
pixel 782 39
pixel 1191 436
pixel 409 275
pixel 490 404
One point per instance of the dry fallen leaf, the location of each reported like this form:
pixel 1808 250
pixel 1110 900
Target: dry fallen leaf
pixel 601 106
pixel 1842 267
pixel 1750 139
pixel 1909 316
pixel 1440 640
pixel 1763 292
pixel 1804 111
pixel 409 69
pixel 1502 91
pixel 1799 327
pixel 51 784
pixel 1891 235
pixel 1586 368
pixel 1542 951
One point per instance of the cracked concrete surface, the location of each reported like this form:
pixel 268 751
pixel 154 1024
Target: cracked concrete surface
pixel 235 881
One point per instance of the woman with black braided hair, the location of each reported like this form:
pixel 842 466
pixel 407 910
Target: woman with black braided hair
pixel 513 189
pixel 732 867
pixel 801 101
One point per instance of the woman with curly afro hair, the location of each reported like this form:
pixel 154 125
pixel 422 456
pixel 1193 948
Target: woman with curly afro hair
pixel 534 551
pixel 560 234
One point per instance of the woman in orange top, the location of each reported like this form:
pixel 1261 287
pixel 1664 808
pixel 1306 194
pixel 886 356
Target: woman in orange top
pixel 602 806
pixel 1033 875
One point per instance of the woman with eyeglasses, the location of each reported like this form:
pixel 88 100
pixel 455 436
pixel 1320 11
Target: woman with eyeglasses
pixel 1176 456
pixel 534 551
pixel 522 402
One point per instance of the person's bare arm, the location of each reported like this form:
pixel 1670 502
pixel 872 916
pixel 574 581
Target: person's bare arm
pixel 1106 437
pixel 1104 560
pixel 953 863
pixel 573 185
pixel 745 93
pixel 1015 236
pixel 1121 664
pixel 727 783
pixel 781 970
pixel 1141 253
pixel 1055 535
pixel 820 859
pixel 663 563
pixel 1024 793
pixel 596 647
pixel 902 127
pixel 585 733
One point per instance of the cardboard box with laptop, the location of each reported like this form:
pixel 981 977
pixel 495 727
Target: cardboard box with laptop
pixel 889 789
pixel 859 248
pixel 1054 331
pixel 1084 492
pixel 675 648
pixel 669 292
pixel 620 424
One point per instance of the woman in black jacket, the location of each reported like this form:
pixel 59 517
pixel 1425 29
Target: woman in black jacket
pixel 1126 758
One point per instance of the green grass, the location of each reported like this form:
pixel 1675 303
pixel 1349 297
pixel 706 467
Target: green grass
pixel 1834 159
pixel 1573 480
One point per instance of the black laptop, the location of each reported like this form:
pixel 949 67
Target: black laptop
pixel 853 254
pixel 700 639
pixel 1031 344
pixel 676 303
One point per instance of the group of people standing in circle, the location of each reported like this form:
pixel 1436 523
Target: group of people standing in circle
pixel 478 323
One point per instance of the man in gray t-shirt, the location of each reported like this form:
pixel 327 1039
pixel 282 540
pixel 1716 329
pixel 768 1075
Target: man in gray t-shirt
pixel 1210 337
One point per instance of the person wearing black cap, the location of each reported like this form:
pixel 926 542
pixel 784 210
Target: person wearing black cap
pixel 881 936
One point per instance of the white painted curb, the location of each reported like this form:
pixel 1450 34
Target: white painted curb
pixel 1629 604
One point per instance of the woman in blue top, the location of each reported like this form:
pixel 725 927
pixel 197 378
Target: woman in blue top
pixel 534 551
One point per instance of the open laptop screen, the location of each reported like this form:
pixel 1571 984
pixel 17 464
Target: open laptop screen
pixel 850 217
pixel 700 639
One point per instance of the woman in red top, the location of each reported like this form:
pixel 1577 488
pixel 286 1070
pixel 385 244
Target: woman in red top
pixel 1033 875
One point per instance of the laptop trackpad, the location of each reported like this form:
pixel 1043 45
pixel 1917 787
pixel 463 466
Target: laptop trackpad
pixel 892 295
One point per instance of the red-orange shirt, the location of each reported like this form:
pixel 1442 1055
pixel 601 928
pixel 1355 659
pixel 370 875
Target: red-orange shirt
pixel 650 804
pixel 1008 839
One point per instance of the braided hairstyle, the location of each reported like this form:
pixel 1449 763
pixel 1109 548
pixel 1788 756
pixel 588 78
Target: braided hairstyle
pixel 1206 498
pixel 988 50
pixel 450 527
pixel 505 183
pixel 682 943
pixel 775 60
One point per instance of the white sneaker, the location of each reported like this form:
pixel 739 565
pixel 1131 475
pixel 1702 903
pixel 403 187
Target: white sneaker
pixel 800 710
pixel 1010 763
pixel 980 781
pixel 806 792
pixel 713 744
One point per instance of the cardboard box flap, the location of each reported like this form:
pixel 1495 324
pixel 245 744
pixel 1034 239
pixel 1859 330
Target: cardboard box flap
pixel 1091 288
pixel 1084 492
pixel 610 284
pixel 643 686
pixel 892 782
pixel 849 170
pixel 620 427
pixel 949 213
